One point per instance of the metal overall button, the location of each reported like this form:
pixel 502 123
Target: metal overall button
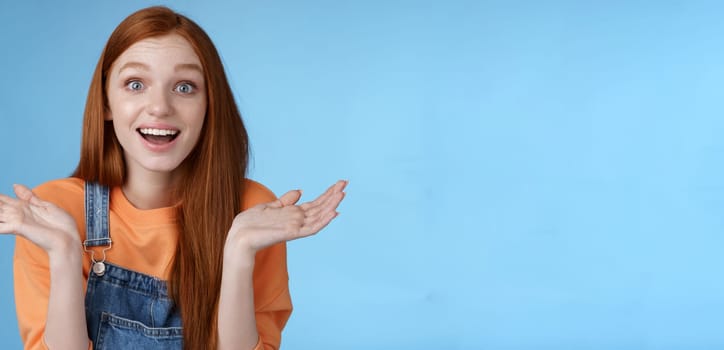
pixel 98 266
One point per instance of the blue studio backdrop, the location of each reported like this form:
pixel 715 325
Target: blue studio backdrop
pixel 523 174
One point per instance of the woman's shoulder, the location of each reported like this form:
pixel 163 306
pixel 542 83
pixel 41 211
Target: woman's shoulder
pixel 255 193
pixel 66 193
pixel 70 187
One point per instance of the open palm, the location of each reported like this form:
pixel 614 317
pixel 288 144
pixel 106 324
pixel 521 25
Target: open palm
pixel 41 222
pixel 284 220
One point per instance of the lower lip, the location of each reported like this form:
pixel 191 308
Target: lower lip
pixel 153 147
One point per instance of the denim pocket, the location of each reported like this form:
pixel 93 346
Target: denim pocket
pixel 116 332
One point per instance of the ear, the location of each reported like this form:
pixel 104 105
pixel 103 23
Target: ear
pixel 108 115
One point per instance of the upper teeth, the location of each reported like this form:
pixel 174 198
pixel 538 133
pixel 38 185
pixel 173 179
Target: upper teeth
pixel 159 132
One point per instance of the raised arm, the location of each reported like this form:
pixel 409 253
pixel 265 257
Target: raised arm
pixel 255 229
pixel 54 230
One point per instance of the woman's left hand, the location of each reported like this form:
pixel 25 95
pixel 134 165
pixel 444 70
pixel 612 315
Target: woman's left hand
pixel 282 220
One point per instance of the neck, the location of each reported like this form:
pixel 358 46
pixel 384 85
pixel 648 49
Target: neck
pixel 150 192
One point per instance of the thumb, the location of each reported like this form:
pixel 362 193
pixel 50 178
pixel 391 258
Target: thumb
pixel 289 198
pixel 26 194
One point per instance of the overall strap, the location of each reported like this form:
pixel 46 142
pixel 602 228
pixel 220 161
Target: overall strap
pixel 96 215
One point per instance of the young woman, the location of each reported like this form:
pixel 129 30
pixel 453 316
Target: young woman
pixel 158 227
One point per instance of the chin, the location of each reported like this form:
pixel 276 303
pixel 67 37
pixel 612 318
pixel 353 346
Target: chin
pixel 163 167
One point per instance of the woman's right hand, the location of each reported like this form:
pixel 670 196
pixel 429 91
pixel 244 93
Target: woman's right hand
pixel 41 222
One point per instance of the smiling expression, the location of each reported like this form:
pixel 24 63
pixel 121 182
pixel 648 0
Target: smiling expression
pixel 157 99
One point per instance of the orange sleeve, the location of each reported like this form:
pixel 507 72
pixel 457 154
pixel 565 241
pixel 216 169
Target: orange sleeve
pixel 272 301
pixel 32 287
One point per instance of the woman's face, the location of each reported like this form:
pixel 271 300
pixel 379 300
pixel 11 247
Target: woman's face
pixel 157 99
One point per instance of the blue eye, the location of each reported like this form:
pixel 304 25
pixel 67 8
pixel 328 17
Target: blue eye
pixel 134 85
pixel 185 88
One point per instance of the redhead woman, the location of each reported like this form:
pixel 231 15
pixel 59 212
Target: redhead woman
pixel 158 240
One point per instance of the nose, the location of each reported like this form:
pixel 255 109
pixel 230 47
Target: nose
pixel 158 103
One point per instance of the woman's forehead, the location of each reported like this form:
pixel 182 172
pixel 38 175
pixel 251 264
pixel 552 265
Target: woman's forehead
pixel 171 50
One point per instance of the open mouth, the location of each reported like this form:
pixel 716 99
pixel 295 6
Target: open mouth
pixel 158 136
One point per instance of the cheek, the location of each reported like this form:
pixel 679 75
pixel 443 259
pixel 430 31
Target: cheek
pixel 197 127
pixel 198 116
pixel 118 109
pixel 194 118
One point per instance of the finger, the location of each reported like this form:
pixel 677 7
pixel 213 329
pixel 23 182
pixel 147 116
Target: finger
pixel 318 225
pixel 342 184
pixel 323 197
pixel 26 194
pixel 287 199
pixel 331 203
pixel 22 192
pixel 337 187
pixel 7 200
pixel 334 200
pixel 291 197
pixel 322 211
pixel 275 204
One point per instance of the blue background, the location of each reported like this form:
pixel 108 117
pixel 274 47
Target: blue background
pixel 523 174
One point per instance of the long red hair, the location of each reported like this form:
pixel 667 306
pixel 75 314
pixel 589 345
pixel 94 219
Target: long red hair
pixel 211 187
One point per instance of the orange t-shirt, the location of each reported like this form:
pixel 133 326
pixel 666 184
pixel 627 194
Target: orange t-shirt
pixel 143 241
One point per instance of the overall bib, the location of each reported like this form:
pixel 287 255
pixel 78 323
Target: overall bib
pixel 124 309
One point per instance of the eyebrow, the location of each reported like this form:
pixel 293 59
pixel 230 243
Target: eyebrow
pixel 136 65
pixel 188 66
pixel 178 67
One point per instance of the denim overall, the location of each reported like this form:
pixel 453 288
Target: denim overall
pixel 124 309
